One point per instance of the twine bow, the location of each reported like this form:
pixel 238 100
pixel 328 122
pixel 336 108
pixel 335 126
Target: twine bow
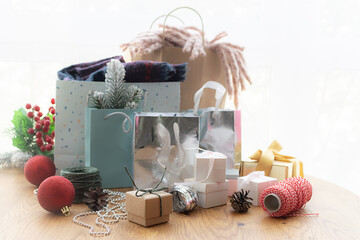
pixel 149 190
pixel 266 159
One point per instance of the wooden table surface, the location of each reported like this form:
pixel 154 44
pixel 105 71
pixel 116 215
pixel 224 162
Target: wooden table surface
pixel 21 217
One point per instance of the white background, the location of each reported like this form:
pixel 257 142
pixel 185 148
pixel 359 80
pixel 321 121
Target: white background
pixel 303 57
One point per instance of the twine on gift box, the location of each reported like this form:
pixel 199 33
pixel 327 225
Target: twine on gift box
pixel 82 178
pixel 149 190
pixel 287 198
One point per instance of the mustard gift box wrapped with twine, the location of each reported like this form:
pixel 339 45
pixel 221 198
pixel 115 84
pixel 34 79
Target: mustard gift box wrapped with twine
pixel 272 163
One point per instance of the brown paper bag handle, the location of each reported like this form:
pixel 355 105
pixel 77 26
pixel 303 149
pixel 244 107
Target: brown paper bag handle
pixel 192 9
pixel 165 16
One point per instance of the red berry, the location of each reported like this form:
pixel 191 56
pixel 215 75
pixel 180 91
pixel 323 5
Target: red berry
pixel 48 139
pixel 38 126
pixel 52 111
pixel 48 147
pixel 30 114
pixel 39 142
pixel 54 118
pixel 50 108
pixel 36 108
pixel 47 118
pixel 42 148
pixel 31 131
pixel 28 106
pixel 52 134
pixel 53 100
pixel 52 142
pixel 36 119
pixel 40 114
pixel 47 123
pixel 45 129
pixel 39 134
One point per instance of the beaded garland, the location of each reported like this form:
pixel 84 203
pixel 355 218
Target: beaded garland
pixel 107 215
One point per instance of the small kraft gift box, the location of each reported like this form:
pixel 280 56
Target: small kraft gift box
pixel 147 210
pixel 210 167
pixel 272 163
pixel 211 194
pixel 256 182
pixel 150 206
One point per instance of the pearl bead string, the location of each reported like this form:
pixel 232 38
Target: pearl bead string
pixel 106 215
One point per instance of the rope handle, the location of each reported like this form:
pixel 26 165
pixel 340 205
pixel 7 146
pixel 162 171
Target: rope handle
pixel 127 119
pixel 185 7
pixel 165 16
pixel 220 92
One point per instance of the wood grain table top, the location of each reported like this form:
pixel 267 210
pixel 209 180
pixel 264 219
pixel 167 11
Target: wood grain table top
pixel 21 217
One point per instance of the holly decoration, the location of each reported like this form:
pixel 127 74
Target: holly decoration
pixel 34 132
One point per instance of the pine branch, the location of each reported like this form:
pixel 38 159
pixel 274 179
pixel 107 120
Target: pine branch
pixel 114 83
pixel 116 96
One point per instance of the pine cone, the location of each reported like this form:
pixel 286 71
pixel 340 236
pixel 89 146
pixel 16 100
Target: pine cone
pixel 239 201
pixel 95 199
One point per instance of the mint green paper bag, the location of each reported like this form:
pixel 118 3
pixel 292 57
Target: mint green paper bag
pixel 109 138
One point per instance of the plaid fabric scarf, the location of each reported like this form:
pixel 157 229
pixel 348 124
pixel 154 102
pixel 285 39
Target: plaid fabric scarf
pixel 138 71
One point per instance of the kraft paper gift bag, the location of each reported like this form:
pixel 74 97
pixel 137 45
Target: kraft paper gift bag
pixel 109 144
pixel 207 60
pixel 165 140
pixel 70 114
pixel 220 129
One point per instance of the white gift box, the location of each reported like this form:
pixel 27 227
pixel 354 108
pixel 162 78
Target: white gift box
pixel 210 194
pixel 232 176
pixel 256 186
pixel 207 172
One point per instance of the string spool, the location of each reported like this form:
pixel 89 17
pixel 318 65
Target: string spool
pixel 287 197
pixel 185 198
pixel 82 178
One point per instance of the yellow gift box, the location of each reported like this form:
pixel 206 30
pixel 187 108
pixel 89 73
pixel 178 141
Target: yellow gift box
pixel 272 163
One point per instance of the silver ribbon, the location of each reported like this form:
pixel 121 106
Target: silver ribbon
pixel 185 198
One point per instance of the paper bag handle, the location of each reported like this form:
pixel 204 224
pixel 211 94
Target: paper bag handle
pixel 219 94
pixel 127 119
pixel 165 16
pixel 192 9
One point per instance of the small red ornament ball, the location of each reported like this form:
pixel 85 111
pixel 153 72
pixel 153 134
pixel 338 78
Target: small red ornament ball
pixel 55 193
pixel 38 168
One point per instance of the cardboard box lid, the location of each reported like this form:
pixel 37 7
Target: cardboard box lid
pixel 209 187
pixel 148 206
pixel 232 173
pixel 206 154
pixel 263 179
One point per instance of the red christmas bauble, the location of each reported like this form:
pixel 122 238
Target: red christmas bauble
pixel 55 192
pixel 38 168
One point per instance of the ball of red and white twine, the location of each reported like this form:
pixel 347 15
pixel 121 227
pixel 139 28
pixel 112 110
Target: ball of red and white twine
pixel 286 197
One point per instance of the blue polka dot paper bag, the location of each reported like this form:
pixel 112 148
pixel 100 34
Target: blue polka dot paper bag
pixel 70 114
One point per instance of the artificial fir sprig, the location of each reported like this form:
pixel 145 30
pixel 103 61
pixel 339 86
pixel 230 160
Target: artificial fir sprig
pixel 116 95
